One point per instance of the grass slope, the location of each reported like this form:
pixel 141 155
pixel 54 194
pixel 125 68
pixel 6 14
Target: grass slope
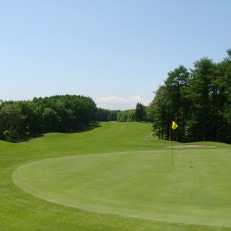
pixel 22 211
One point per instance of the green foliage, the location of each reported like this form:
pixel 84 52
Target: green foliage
pixel 11 121
pixel 126 116
pixel 137 114
pixel 140 113
pixel 67 113
pixel 105 115
pixel 199 100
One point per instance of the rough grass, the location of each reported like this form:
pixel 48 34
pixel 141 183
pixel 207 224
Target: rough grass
pixel 200 176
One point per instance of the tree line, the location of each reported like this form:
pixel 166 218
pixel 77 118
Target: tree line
pixel 60 113
pixel 68 113
pixel 137 114
pixel 199 100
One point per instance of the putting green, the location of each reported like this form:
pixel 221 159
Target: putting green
pixel 140 184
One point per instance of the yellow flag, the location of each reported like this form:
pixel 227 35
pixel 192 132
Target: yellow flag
pixel 174 125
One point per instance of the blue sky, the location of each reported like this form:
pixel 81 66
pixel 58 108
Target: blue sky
pixel 118 52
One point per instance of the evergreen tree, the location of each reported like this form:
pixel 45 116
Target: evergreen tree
pixel 140 112
pixel 199 100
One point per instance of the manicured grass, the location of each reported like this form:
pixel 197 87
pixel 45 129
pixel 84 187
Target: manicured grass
pixel 118 177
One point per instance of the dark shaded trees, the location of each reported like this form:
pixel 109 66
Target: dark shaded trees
pixel 11 121
pixel 106 115
pixel 66 113
pixel 201 95
pixel 199 100
pixel 171 103
pixel 140 112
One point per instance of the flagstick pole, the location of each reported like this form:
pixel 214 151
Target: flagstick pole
pixel 174 126
pixel 172 147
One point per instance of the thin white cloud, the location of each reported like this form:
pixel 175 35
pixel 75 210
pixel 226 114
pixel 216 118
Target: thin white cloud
pixel 120 103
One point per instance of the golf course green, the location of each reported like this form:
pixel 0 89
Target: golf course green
pixel 115 177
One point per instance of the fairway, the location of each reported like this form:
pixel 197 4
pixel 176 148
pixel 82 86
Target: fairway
pixel 114 177
pixel 138 184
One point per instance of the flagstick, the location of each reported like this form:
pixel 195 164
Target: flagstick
pixel 172 147
pixel 174 126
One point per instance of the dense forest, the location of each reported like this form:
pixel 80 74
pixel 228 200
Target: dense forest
pixel 199 100
pixel 21 119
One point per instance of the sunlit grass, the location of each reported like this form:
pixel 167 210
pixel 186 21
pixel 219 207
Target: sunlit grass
pixel 197 184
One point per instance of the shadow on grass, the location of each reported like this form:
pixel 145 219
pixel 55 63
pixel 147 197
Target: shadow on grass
pixel 28 138
pixel 81 128
pixel 88 127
